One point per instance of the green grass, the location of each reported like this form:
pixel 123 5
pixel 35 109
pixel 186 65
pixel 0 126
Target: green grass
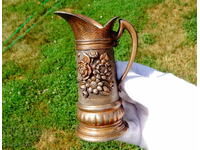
pixel 190 26
pixel 148 38
pixel 41 94
pixel 10 69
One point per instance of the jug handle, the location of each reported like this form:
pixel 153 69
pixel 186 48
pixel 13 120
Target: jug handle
pixel 123 24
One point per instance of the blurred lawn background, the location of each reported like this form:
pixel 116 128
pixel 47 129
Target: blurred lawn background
pixel 39 68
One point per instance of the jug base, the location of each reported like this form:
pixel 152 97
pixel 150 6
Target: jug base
pixel 101 123
pixel 102 133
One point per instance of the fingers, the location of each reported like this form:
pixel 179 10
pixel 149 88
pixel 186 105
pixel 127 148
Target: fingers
pixel 135 117
pixel 132 135
pixel 137 88
pixel 130 112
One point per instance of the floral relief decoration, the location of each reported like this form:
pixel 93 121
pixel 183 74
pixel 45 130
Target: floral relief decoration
pixel 95 74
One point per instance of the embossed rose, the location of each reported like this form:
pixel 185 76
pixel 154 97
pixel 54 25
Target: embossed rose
pixel 93 54
pixel 84 69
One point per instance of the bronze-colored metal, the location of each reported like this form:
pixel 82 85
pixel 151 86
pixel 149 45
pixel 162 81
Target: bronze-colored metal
pixel 100 111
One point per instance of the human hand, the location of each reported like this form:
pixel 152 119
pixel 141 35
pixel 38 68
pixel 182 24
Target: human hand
pixel 166 100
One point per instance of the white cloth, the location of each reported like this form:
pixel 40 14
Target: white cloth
pixel 158 108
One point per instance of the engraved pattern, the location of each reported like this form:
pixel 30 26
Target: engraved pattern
pixel 95 73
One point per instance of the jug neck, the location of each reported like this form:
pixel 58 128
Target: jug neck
pixel 88 33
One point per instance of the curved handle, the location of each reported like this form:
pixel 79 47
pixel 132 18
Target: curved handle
pixel 126 25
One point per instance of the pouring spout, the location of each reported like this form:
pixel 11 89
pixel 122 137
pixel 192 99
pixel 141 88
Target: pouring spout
pixel 85 28
pixel 64 15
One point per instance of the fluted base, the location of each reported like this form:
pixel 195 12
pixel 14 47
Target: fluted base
pixel 101 134
pixel 100 124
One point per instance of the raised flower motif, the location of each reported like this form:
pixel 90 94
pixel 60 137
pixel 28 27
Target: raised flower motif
pixel 96 75
pixel 93 54
pixel 84 70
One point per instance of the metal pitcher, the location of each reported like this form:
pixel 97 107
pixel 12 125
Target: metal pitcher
pixel 100 110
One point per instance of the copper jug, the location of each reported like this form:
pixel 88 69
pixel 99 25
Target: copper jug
pixel 100 110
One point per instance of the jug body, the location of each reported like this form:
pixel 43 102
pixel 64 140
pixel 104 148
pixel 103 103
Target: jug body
pixel 99 108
